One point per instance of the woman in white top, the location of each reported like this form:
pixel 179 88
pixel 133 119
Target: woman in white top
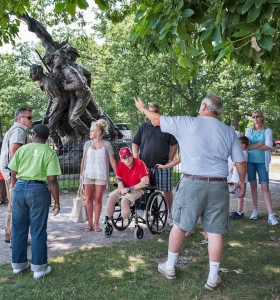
pixel 95 171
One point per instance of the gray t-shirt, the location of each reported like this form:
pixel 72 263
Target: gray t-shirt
pixel 205 144
pixel 17 134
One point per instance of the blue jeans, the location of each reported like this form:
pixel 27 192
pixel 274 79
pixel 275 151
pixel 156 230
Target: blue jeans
pixel 30 207
pixel 253 169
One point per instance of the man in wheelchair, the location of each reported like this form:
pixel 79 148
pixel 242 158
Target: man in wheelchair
pixel 132 176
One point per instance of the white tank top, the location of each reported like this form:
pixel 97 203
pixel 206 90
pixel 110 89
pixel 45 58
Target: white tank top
pixel 97 166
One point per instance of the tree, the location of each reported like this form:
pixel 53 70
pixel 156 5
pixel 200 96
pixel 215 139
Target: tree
pixel 246 30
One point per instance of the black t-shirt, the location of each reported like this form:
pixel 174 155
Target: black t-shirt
pixel 154 144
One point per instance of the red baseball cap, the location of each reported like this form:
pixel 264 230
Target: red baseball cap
pixel 125 151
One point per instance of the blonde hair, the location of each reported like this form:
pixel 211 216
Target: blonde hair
pixel 260 114
pixel 100 125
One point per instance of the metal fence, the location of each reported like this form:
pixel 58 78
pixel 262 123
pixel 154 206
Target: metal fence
pixel 70 161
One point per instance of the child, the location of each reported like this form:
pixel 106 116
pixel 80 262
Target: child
pixel 239 214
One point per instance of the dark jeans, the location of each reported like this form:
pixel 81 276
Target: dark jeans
pixel 30 207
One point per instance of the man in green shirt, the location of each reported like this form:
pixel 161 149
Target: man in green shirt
pixel 31 166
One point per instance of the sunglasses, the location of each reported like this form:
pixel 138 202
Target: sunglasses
pixel 27 117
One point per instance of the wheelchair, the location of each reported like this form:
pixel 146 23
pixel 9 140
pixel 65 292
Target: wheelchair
pixel 154 208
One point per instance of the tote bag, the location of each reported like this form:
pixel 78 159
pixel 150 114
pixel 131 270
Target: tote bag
pixel 78 213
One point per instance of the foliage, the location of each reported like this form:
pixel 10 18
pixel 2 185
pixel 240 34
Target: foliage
pixel 17 90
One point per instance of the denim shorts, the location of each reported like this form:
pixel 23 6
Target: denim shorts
pixel 197 198
pixel 253 169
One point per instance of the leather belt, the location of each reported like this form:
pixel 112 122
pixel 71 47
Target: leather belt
pixel 33 181
pixel 205 178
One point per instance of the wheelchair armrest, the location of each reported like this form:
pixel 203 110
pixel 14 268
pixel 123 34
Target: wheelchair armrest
pixel 149 188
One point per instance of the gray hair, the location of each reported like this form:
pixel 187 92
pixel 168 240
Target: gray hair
pixel 213 104
pixel 20 111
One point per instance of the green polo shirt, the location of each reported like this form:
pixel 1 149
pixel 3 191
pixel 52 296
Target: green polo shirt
pixel 35 162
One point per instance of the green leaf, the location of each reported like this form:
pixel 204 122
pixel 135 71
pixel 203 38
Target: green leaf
pixel 228 57
pixel 231 8
pixel 187 13
pixel 259 3
pixel 159 7
pixel 244 32
pixel 191 50
pixel 207 46
pixel 205 34
pixel 82 4
pixel 71 9
pixel 103 4
pixel 219 46
pixel 139 14
pixel 265 42
pixel 217 35
pixel 189 63
pixel 182 61
pixel 266 29
pixel 220 56
pixel 162 34
pixel 253 14
pixel 181 4
pixel 246 6
pixel 224 23
pixel 273 1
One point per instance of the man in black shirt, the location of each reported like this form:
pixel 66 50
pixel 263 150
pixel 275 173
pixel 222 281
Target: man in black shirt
pixel 155 148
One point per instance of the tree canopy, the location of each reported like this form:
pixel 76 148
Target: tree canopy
pixel 246 30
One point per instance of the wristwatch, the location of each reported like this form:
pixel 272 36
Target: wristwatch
pixel 128 190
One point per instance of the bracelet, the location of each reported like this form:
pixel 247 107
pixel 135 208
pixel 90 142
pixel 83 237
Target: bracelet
pixel 142 110
pixel 56 206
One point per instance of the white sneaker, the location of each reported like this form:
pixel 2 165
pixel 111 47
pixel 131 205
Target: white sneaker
pixel 272 220
pixel 255 215
pixel 169 274
pixel 212 285
pixel 18 271
pixel 40 274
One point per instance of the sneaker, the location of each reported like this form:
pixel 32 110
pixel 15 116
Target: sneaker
pixel 170 222
pixel 40 274
pixel 18 271
pixel 169 274
pixel 235 215
pixel 272 220
pixel 211 285
pixel 255 215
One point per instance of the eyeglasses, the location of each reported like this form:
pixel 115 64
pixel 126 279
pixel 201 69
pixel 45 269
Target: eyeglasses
pixel 256 117
pixel 126 157
pixel 27 117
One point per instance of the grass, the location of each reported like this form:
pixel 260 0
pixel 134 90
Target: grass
pixel 128 270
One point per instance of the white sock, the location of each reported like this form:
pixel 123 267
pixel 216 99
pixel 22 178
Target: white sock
pixel 171 260
pixel 214 269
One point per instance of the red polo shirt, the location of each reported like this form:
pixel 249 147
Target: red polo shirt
pixel 132 176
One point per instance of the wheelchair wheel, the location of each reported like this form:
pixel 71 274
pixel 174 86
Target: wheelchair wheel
pixel 108 229
pixel 138 233
pixel 118 222
pixel 156 216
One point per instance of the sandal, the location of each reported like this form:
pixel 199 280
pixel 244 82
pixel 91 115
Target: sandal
pixel 97 229
pixel 88 229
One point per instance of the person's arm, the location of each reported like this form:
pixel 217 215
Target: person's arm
pixel 119 182
pixel 172 152
pixel 255 146
pixel 13 178
pixel 82 165
pixel 152 116
pixel 135 150
pixel 113 163
pixel 171 164
pixel 144 181
pixel 13 149
pixel 53 184
pixel 241 170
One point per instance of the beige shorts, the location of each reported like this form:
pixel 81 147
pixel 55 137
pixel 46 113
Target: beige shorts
pixel 132 197
pixel 95 181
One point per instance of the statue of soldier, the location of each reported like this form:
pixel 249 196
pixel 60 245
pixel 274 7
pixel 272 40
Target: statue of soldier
pixel 74 83
pixel 73 54
pixel 57 100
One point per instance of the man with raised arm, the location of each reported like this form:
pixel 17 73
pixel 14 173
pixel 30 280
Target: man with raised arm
pixel 205 144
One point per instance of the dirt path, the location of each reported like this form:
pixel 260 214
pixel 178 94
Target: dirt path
pixel 65 236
